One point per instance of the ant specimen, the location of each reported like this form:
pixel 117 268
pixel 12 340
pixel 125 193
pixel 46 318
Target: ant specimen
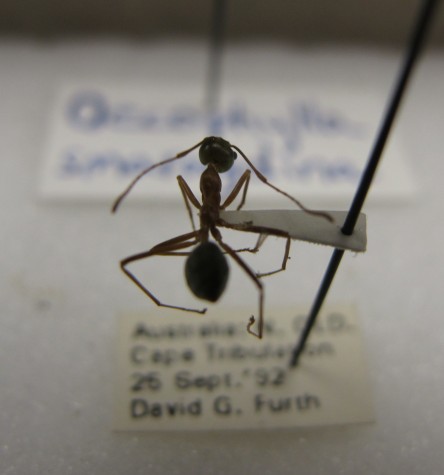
pixel 206 268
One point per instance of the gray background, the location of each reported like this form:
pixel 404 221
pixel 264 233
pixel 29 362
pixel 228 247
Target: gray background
pixel 61 289
pixel 377 22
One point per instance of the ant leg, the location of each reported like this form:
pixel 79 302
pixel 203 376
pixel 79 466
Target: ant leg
pixel 284 261
pixel 188 196
pixel 164 248
pixel 243 181
pixel 263 234
pixel 256 281
pixel 260 241
pixel 256 248
pixel 243 249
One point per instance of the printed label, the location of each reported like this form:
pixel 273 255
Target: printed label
pixel 314 144
pixel 207 373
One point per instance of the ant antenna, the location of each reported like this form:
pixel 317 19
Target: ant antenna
pixel 147 170
pixel 297 202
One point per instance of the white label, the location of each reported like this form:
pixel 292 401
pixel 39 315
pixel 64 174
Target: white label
pixel 179 372
pixel 314 144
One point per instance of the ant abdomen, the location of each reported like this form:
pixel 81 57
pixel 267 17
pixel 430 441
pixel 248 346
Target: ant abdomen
pixel 206 271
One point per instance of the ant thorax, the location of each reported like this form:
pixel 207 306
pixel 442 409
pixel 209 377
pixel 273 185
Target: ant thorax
pixel 210 185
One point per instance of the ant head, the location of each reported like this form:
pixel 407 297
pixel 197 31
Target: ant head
pixel 218 152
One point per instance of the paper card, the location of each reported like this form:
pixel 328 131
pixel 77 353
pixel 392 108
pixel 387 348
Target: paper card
pixel 179 372
pixel 312 143
pixel 303 226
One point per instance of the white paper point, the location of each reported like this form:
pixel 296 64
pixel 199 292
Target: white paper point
pixel 305 227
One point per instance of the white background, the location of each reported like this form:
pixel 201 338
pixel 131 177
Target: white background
pixel 61 288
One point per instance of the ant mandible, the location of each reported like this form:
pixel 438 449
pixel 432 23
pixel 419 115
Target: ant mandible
pixel 206 268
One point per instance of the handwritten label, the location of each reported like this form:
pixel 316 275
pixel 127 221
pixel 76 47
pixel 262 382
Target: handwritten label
pixel 312 143
pixel 201 373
